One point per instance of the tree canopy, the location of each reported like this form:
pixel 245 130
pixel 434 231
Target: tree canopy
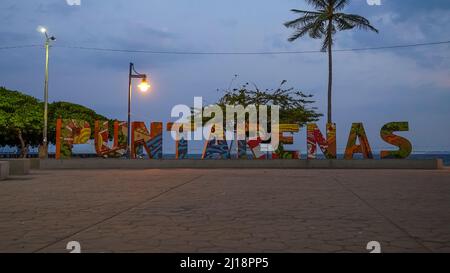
pixel 293 103
pixel 21 118
pixel 67 110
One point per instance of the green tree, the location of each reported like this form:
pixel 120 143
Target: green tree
pixel 293 103
pixel 323 23
pixel 67 110
pixel 21 120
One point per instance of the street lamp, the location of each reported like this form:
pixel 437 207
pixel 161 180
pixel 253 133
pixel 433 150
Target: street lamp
pixel 48 40
pixel 144 86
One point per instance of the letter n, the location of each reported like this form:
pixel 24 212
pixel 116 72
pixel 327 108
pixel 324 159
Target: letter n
pixel 102 139
pixel 315 137
pixel 152 141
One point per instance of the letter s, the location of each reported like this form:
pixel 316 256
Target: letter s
pixel 405 147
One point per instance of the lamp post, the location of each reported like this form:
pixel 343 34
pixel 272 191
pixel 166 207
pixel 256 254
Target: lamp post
pixel 143 86
pixel 48 40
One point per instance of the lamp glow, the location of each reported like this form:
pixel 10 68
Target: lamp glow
pixel 144 86
pixel 42 29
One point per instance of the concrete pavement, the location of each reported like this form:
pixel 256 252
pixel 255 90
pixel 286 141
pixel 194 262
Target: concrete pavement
pixel 187 210
pixel 101 163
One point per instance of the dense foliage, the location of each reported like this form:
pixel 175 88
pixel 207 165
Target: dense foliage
pixel 293 103
pixel 22 118
pixel 67 110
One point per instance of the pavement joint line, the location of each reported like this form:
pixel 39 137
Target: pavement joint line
pixel 117 214
pixel 417 240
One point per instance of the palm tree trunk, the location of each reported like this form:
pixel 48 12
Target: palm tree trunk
pixel 330 73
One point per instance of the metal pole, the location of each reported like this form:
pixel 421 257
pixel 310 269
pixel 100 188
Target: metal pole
pixel 45 139
pixel 129 112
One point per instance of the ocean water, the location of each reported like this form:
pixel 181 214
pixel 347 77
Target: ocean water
pixel 11 152
pixel 444 156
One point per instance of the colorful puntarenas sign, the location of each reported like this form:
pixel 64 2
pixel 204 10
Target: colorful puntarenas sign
pixel 70 132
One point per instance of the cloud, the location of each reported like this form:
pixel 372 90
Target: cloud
pixel 373 86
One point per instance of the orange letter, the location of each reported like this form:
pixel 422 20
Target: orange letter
pixel 358 131
pixel 388 136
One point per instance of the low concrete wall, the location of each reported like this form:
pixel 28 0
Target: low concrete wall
pixel 239 164
pixel 4 170
pixel 19 166
pixel 35 163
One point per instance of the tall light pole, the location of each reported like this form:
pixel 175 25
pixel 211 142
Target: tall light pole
pixel 48 40
pixel 143 86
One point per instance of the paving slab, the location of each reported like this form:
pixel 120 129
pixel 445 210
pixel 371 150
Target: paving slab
pixel 234 210
pixel 100 163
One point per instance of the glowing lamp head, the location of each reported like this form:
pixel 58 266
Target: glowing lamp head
pixel 42 29
pixel 144 86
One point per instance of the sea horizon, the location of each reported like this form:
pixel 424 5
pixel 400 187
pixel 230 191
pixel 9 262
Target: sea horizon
pixel 416 155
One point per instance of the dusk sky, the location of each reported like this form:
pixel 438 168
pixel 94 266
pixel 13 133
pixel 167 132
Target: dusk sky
pixel 374 87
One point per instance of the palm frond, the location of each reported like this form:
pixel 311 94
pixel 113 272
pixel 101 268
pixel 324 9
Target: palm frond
pixel 343 24
pixel 300 32
pixel 357 21
pixel 317 30
pixel 300 22
pixel 318 4
pixel 339 5
pixel 306 12
pixel 317 23
pixel 328 39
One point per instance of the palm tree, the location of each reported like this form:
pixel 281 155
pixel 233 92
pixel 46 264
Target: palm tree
pixel 323 23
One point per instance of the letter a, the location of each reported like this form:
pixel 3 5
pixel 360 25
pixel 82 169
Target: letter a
pixel 356 132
